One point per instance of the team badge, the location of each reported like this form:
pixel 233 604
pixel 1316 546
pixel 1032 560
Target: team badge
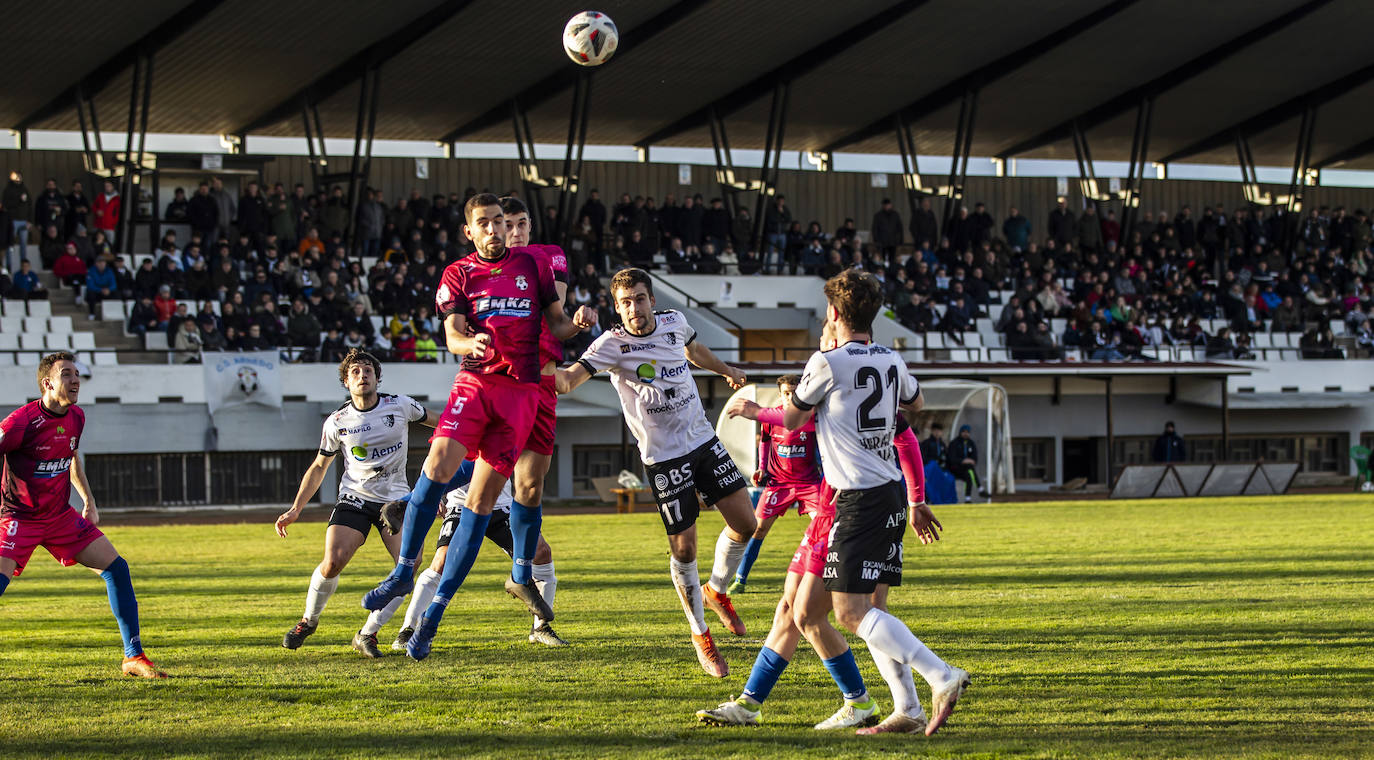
pixel 672 339
pixel 389 420
pixel 442 295
pixel 521 282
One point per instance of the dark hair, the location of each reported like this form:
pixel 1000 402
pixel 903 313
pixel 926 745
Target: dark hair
pixel 857 298
pixel 792 380
pixel 480 200
pixel 510 206
pixel 48 362
pixel 629 277
pixel 936 426
pixel 358 356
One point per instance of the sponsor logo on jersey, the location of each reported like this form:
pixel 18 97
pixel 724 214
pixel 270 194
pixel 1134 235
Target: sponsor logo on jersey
pixel 343 432
pixel 661 482
pixel 51 468
pixel 359 452
pixel 646 372
pixel 499 306
pixel 61 430
pixel 355 431
pixel 629 348
pixel 521 282
pixel 667 373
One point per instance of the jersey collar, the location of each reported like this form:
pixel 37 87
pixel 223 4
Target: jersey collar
pixel 370 408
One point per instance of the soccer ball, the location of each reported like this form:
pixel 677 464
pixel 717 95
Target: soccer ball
pixel 590 38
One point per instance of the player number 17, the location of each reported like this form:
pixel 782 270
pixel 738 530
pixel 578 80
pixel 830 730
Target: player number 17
pixel 672 510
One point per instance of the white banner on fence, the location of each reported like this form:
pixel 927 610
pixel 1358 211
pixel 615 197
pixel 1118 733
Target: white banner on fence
pixel 239 379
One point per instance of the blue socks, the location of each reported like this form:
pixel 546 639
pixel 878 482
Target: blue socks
pixel 767 668
pixel 525 523
pixel 4 582
pixel 462 553
pixel 460 478
pixel 746 563
pixel 846 674
pixel 420 513
pixel 123 604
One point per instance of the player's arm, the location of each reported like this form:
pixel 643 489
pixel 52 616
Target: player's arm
pixel 431 418
pixel 564 327
pixel 794 417
pixel 567 379
pixel 817 381
pixel 83 489
pixel 310 483
pixel 458 341
pixel 913 472
pixel 703 357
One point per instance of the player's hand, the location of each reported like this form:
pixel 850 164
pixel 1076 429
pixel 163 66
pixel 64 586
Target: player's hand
pixel 286 518
pixel 758 477
pixel 479 346
pixel 735 377
pixel 924 523
pixel 743 407
pixel 584 318
pixel 91 514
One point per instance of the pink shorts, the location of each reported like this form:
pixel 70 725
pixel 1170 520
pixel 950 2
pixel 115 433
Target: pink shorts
pixel 810 554
pixel 491 416
pixel 64 534
pixel 776 500
pixel 545 427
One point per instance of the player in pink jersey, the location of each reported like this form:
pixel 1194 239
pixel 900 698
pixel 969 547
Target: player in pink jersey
pixel 494 304
pixel 39 442
pixel 789 471
pixel 805 608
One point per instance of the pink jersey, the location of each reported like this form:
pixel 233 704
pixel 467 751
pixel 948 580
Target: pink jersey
pixel 504 298
pixel 788 457
pixel 550 348
pixel 38 447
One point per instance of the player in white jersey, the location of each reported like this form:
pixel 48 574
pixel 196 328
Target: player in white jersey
pixel 649 357
pixel 499 533
pixel 855 392
pixel 372 431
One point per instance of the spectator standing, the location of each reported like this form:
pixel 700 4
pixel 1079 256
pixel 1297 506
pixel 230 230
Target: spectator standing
pixel 371 219
pixel 78 208
pixel 1169 446
pixel 202 213
pixel 106 210
pixel 887 231
pixel 1090 230
pixel 925 232
pixel 595 211
pixel 225 209
pixel 776 219
pixel 1016 229
pixel 50 208
pixel 17 203
pixel 1063 228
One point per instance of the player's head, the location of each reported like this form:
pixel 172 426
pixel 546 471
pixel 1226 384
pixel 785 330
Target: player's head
pixel 787 385
pixel 58 378
pixel 517 221
pixel 360 372
pixel 484 224
pixel 854 299
pixel 633 292
pixel 937 430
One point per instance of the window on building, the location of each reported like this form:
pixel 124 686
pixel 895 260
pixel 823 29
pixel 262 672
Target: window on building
pixel 1032 459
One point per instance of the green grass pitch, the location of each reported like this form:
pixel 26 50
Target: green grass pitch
pixel 1207 628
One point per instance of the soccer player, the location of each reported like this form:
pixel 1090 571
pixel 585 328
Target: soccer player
pixel 805 606
pixel 493 304
pixel 789 471
pixel 499 533
pixel 374 430
pixel 649 356
pixel 854 392
pixel 39 441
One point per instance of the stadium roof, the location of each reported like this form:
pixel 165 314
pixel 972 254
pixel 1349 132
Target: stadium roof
pixel 449 70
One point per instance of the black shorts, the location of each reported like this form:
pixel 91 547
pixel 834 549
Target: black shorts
pixel 358 514
pixel 866 540
pixel 675 482
pixel 498 530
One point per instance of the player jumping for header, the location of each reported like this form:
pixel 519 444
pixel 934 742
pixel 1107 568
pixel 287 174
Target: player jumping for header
pixel 493 304
pixel 648 358
pixel 372 430
pixel 39 441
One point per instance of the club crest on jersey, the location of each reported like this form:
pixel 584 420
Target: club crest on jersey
pixel 672 339
pixel 389 420
pixel 443 293
pixel 521 282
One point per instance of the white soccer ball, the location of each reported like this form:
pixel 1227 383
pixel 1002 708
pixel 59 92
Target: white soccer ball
pixel 590 38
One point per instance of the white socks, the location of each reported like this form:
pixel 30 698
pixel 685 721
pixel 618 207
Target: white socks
pixel 890 636
pixel 321 588
pixel 898 676
pixel 687 579
pixel 728 554
pixel 377 619
pixel 426 584
pixel 547 583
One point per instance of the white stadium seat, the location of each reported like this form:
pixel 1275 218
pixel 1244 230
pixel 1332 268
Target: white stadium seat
pixel 58 341
pixel 112 311
pixel 6 360
pixel 935 340
pixel 155 340
pixel 27 359
pixel 105 358
pixel 35 324
pixel 11 324
pixel 83 341
pixel 41 309
pixel 32 341
pixel 59 324
pixel 1263 340
pixel 9 341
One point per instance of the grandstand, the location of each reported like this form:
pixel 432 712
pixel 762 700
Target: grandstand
pixel 1242 306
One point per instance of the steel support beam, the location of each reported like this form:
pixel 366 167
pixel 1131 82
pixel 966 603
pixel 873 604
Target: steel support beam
pixel 572 158
pixel 1278 114
pixel 958 167
pixel 911 168
pixel 983 75
pixel 772 159
pixel 566 76
pixel 798 66
pixel 357 66
pixel 140 99
pixel 1140 150
pixel 529 169
pixel 1160 84
pixel 1302 159
pixel 100 76
pixel 1358 150
pixel 369 89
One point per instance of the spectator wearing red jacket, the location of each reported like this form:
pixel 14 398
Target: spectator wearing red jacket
pixel 69 267
pixel 105 210
pixel 166 306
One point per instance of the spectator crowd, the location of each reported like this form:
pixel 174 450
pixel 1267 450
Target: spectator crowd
pixel 270 268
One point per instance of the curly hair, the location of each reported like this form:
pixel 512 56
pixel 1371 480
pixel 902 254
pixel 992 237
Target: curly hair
pixel 358 356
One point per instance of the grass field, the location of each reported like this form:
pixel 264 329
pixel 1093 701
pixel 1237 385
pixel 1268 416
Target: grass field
pixel 1208 628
